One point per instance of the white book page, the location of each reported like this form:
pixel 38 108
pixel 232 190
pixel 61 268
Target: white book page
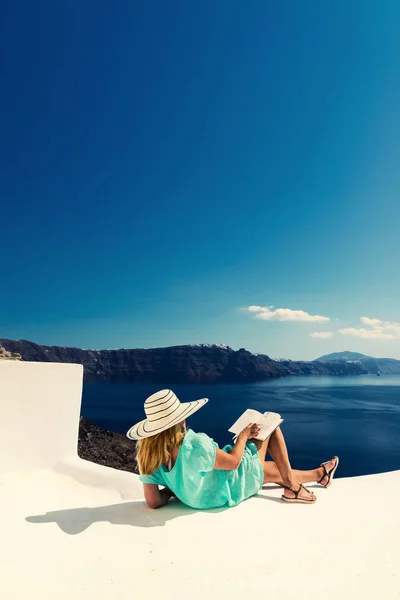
pixel 249 416
pixel 268 423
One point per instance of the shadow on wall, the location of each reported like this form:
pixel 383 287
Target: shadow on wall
pixel 76 520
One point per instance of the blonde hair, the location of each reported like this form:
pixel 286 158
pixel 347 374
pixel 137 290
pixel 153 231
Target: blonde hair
pixel 154 451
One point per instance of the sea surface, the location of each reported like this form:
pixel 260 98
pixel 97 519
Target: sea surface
pixel 357 418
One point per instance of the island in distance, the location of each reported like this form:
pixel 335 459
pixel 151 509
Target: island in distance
pixel 203 363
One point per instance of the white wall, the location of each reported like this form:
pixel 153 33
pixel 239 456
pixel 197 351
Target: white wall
pixel 39 414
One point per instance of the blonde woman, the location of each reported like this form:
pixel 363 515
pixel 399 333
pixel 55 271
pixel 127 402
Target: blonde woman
pixel 191 466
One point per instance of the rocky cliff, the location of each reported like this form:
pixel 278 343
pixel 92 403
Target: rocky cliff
pixel 7 355
pixel 370 364
pixel 106 447
pixel 178 364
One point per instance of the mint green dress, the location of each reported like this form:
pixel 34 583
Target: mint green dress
pixel 196 483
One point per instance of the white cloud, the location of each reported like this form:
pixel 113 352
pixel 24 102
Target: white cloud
pixel 258 308
pixel 321 335
pixel 371 322
pixel 375 329
pixel 379 330
pixel 285 314
pixel 367 334
pixel 390 326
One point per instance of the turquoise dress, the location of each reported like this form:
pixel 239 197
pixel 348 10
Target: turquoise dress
pixel 195 482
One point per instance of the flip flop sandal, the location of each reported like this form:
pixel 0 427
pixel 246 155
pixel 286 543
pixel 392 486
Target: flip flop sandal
pixel 327 473
pixel 296 498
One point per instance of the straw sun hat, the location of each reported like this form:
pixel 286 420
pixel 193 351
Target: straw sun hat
pixel 163 410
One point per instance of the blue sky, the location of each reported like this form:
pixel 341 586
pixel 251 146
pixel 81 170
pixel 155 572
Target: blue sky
pixel 166 165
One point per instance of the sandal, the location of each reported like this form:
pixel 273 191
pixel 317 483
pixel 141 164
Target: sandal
pixel 327 473
pixel 296 496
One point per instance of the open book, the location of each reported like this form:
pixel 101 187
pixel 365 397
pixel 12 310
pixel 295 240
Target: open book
pixel 268 422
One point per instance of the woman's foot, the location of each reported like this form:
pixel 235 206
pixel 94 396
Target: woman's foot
pixel 327 471
pixel 298 493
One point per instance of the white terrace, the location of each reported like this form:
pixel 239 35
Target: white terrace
pixel 73 530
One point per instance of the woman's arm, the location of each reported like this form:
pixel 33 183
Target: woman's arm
pixel 231 461
pixel 156 498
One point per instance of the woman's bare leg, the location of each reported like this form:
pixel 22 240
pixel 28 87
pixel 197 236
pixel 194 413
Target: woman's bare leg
pixel 272 475
pixel 262 448
pixel 278 450
pixel 276 446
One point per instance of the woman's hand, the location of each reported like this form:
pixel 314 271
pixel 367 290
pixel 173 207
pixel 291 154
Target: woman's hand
pixel 249 432
pixel 231 461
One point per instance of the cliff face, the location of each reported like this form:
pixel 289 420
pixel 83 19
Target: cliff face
pixel 7 355
pixel 328 368
pixel 178 364
pixel 386 366
pixel 106 447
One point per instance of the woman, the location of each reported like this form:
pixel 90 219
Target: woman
pixel 191 467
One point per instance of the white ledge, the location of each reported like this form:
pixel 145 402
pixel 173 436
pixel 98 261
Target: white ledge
pixel 75 530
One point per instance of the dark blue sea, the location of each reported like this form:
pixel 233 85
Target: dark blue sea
pixel 357 418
